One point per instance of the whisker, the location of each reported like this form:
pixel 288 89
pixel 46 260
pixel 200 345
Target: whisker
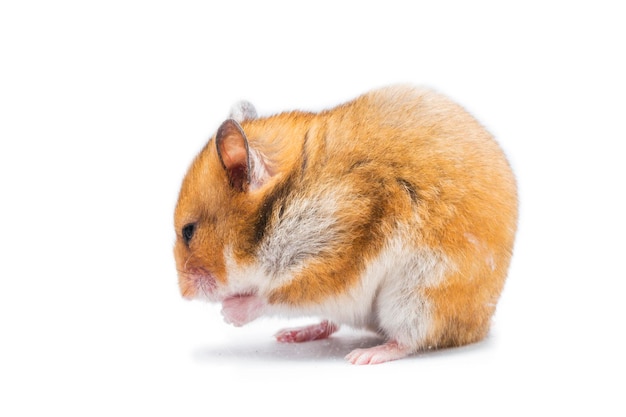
pixel 188 259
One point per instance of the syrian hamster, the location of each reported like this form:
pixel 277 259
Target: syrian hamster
pixel 394 212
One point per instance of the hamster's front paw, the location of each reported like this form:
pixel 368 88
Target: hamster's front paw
pixel 242 309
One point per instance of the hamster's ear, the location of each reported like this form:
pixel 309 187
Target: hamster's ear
pixel 246 168
pixel 243 110
pixel 232 149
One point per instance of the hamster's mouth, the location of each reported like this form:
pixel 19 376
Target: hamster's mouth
pixel 198 283
pixel 206 285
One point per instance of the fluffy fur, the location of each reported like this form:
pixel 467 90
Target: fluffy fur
pixel 394 212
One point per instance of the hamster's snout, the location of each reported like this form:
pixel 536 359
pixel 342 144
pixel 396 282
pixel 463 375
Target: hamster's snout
pixel 197 283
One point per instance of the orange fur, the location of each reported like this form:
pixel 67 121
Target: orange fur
pixel 397 156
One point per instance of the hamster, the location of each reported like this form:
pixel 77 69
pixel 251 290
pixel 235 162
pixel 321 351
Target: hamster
pixel 395 212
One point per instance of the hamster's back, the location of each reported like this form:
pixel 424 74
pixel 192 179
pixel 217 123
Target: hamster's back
pixel 442 156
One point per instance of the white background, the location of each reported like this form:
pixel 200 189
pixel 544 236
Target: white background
pixel 104 104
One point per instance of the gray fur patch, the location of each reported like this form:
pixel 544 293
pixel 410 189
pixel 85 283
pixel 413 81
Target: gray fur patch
pixel 303 229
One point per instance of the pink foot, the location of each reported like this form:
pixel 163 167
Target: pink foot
pixel 307 333
pixel 378 354
pixel 242 309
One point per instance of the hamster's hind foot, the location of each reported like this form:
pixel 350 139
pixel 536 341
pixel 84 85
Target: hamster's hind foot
pixel 307 333
pixel 378 354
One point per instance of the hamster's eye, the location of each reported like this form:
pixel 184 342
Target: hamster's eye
pixel 187 232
